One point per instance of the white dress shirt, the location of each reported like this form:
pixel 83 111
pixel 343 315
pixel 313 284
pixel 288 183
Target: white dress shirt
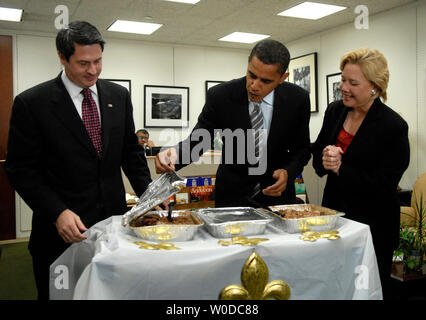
pixel 75 93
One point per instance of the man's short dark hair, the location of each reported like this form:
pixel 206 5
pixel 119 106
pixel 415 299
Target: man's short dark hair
pixel 80 32
pixel 143 131
pixel 272 52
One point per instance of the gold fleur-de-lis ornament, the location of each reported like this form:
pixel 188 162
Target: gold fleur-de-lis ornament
pixel 255 286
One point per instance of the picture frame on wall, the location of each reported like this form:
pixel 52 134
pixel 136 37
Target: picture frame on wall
pixel 212 83
pixel 166 106
pixel 333 87
pixel 303 72
pixel 125 83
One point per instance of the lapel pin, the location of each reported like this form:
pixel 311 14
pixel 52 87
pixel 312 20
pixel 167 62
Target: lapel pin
pixel 109 105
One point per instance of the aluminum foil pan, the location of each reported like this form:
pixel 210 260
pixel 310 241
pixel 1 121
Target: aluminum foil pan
pixel 163 231
pixel 159 190
pixel 325 221
pixel 231 222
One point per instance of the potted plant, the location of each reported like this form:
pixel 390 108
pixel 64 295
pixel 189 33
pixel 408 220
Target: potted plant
pixel 412 239
pixel 404 251
pixel 420 238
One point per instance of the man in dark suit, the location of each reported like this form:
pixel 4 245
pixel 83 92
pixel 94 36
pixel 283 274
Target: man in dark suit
pixel 230 109
pixel 69 138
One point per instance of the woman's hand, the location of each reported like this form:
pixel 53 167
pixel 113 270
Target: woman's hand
pixel 332 158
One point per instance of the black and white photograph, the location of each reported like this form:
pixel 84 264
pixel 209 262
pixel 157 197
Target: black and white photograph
pixel 333 87
pixel 303 72
pixel 166 106
pixel 302 77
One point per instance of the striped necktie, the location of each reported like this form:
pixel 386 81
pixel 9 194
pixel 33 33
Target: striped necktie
pixel 91 120
pixel 256 118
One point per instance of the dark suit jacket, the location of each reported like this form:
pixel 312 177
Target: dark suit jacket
pixel 366 187
pixel 226 107
pixel 52 164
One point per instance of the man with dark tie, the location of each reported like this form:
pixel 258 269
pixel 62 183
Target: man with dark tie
pixel 264 125
pixel 69 139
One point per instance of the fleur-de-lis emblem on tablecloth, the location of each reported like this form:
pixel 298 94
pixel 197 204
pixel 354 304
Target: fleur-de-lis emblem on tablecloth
pixel 243 241
pixel 153 246
pixel 255 286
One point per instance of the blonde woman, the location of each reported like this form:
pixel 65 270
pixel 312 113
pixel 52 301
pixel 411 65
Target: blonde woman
pixel 363 149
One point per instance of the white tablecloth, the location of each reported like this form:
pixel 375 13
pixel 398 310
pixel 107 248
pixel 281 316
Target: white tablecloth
pixel 108 265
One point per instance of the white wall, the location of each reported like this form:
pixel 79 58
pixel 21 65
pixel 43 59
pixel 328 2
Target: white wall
pixel 421 89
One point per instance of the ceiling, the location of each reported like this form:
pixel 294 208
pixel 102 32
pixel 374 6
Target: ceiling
pixel 185 24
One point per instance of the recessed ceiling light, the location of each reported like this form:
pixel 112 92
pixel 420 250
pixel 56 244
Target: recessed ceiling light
pixel 244 37
pixel 134 27
pixel 185 1
pixel 311 10
pixel 9 14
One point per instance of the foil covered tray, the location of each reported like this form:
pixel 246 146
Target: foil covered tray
pixel 320 219
pixel 183 228
pixel 233 221
pixel 159 190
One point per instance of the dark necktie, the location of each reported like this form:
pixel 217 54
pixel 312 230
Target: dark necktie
pixel 91 120
pixel 256 118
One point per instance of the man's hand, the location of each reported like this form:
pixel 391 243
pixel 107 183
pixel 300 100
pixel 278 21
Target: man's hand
pixel 69 226
pixel 165 204
pixel 278 187
pixel 332 158
pixel 150 144
pixel 165 160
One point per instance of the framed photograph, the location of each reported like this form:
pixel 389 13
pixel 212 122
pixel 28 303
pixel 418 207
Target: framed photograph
pixel 166 107
pixel 303 72
pixel 125 83
pixel 333 90
pixel 211 83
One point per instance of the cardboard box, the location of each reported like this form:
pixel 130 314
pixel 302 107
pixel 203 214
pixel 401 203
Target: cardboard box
pixel 204 181
pixel 202 193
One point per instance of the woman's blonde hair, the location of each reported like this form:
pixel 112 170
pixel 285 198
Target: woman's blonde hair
pixel 374 66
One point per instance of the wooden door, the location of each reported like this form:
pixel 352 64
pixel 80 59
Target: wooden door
pixel 7 194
